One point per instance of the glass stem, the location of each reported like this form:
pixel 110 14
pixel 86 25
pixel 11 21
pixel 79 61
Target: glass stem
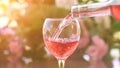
pixel 61 63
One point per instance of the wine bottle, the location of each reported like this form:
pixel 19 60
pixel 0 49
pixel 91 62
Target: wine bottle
pixel 111 7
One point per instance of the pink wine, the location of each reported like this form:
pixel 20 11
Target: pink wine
pixel 61 49
pixel 115 11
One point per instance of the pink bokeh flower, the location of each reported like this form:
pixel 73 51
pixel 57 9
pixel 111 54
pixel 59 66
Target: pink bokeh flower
pixel 98 49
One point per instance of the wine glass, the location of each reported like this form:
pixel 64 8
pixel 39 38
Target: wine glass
pixel 61 37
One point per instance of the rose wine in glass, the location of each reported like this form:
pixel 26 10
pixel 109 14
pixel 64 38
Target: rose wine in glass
pixel 61 48
pixel 61 37
pixel 110 7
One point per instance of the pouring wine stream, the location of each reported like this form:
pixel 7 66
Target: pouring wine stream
pixel 88 10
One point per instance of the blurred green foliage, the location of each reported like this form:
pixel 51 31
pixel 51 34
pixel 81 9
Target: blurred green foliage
pixel 87 1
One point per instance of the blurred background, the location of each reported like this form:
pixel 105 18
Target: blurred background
pixel 21 40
